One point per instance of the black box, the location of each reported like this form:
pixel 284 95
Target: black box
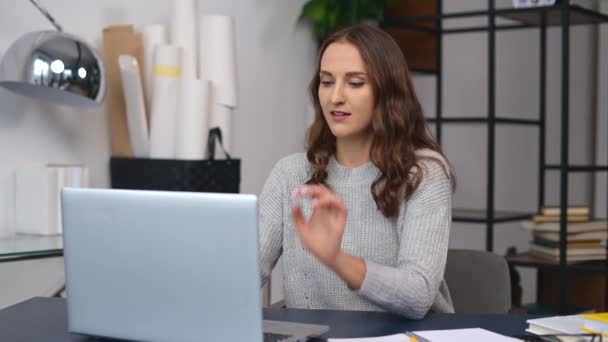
pixel 176 175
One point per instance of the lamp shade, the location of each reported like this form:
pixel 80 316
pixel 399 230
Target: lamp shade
pixel 56 67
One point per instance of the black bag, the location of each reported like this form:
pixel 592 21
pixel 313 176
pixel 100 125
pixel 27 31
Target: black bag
pixel 209 175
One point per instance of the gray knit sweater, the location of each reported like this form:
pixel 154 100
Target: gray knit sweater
pixel 405 255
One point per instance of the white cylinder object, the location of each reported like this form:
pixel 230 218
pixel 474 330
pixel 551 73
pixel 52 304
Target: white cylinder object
pixel 192 119
pixel 137 121
pixel 183 33
pixel 217 54
pixel 153 35
pixel 167 71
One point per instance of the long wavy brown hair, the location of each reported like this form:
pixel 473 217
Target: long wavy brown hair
pixel 398 123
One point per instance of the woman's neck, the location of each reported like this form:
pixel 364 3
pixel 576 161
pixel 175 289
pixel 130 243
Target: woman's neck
pixel 353 152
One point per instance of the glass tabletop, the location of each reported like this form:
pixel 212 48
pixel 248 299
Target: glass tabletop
pixel 27 245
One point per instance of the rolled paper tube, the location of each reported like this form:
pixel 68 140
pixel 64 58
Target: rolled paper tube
pixel 153 35
pixel 217 54
pixel 192 119
pixel 167 71
pixel 137 121
pixel 183 34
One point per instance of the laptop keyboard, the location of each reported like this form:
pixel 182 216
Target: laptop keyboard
pixel 270 337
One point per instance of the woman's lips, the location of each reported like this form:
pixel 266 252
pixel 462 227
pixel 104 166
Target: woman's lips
pixel 339 115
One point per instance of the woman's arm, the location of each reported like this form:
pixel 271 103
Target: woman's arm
pixel 411 286
pixel 270 221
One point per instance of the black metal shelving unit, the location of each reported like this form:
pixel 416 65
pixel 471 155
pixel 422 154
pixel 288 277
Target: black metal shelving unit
pixel 562 15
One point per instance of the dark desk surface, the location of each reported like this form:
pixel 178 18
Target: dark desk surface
pixel 44 319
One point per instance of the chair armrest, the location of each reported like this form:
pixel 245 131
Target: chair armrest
pixel 279 305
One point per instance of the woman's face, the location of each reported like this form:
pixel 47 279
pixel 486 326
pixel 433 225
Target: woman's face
pixel 345 91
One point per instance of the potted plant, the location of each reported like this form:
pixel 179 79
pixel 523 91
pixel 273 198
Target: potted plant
pixel 330 15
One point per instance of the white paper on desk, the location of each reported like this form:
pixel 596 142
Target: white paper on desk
pixel 388 338
pixel 469 335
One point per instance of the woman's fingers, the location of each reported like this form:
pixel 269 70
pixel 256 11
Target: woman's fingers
pixel 298 217
pixel 322 198
pixel 332 201
pixel 320 195
pixel 322 232
pixel 313 191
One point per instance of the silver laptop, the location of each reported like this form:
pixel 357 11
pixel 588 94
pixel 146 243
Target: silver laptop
pixel 166 266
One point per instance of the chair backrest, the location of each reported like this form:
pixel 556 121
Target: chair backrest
pixel 479 281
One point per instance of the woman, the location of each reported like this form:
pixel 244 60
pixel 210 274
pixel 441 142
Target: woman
pixel 362 219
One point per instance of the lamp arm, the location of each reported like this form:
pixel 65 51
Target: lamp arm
pixel 47 15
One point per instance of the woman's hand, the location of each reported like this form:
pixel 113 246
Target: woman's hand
pixel 322 233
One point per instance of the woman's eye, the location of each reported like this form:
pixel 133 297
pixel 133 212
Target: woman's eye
pixel 326 83
pixel 356 84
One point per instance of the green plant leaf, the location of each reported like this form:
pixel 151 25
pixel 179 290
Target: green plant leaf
pixel 333 20
pixel 319 28
pixel 330 15
pixel 354 13
pixel 315 9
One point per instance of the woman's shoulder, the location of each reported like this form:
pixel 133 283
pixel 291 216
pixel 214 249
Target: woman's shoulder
pixel 427 153
pixel 432 162
pixel 435 185
pixel 295 164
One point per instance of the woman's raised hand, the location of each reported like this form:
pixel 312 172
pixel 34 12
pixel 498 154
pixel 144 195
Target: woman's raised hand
pixel 322 233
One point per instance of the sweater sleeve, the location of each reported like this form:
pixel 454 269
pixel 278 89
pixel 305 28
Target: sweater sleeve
pixel 270 221
pixel 411 286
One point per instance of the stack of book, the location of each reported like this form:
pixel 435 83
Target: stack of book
pixel 586 238
pixel 596 323
pixel 571 328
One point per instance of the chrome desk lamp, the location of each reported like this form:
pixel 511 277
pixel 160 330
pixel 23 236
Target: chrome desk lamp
pixel 54 66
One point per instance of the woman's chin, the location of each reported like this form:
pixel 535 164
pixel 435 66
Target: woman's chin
pixel 345 134
pixel 340 133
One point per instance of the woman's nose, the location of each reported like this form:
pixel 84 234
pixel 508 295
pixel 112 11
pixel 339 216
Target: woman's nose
pixel 337 94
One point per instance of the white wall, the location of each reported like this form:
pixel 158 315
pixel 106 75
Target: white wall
pixel 275 59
